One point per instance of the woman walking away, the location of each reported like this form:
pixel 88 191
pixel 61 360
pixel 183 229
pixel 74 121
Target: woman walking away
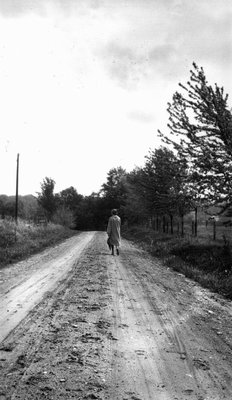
pixel 113 231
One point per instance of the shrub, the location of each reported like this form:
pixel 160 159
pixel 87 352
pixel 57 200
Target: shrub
pixel 208 264
pixel 18 242
pixel 205 257
pixel 7 233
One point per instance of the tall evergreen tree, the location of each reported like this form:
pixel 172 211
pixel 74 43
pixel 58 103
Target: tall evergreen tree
pixel 166 183
pixel 201 124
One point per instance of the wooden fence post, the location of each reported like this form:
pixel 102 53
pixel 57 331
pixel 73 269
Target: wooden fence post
pixel 195 222
pixel 163 224
pixel 214 229
pixel 182 225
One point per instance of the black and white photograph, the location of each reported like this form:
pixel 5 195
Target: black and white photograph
pixel 115 199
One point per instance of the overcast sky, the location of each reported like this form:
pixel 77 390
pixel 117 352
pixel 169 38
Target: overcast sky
pixel 84 84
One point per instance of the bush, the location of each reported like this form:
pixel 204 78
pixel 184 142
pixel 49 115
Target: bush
pixel 210 265
pixel 205 257
pixel 64 216
pixel 7 233
pixel 18 242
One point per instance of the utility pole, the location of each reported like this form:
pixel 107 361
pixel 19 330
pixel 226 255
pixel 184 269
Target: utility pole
pixel 17 192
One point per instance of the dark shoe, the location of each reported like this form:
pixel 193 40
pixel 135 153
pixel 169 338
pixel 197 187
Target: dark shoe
pixel 117 251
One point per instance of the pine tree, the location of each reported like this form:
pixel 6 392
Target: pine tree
pixel 201 123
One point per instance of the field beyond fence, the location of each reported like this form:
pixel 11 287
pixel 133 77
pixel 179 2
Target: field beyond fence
pixel 204 228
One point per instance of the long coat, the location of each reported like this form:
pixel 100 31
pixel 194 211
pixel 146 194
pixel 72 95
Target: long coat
pixel 113 230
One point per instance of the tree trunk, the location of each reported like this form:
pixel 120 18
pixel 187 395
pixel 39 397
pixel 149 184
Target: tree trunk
pixel 171 220
pixel 182 225
pixel 214 230
pixel 195 222
pixel 163 224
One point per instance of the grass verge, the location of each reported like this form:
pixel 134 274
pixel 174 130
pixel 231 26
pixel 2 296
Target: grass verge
pixel 17 243
pixel 208 264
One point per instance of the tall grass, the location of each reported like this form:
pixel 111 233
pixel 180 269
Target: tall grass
pixel 208 263
pixel 21 240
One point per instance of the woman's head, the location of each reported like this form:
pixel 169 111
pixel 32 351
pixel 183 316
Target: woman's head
pixel 114 211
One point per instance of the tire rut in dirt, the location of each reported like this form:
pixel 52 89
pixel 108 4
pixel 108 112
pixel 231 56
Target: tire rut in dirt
pixel 57 352
pixel 177 305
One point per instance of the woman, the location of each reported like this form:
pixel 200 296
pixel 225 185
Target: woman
pixel 113 231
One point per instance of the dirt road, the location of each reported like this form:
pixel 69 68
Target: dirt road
pixel 78 323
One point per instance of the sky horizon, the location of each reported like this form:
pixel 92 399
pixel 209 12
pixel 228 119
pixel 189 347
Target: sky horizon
pixel 85 84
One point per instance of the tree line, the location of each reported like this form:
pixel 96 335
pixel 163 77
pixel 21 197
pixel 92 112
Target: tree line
pixel 192 168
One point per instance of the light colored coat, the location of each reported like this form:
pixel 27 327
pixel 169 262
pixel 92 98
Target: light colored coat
pixel 113 230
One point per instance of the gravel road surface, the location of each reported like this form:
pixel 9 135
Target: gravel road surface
pixel 78 323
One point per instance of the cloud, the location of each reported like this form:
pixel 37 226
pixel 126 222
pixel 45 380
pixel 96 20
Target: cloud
pixel 123 63
pixel 17 8
pixel 164 53
pixel 141 40
pixel 140 116
pixel 203 30
pixel 130 65
pixel 166 60
pixel 14 8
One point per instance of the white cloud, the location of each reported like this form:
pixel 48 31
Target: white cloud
pixel 141 116
pixel 85 84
